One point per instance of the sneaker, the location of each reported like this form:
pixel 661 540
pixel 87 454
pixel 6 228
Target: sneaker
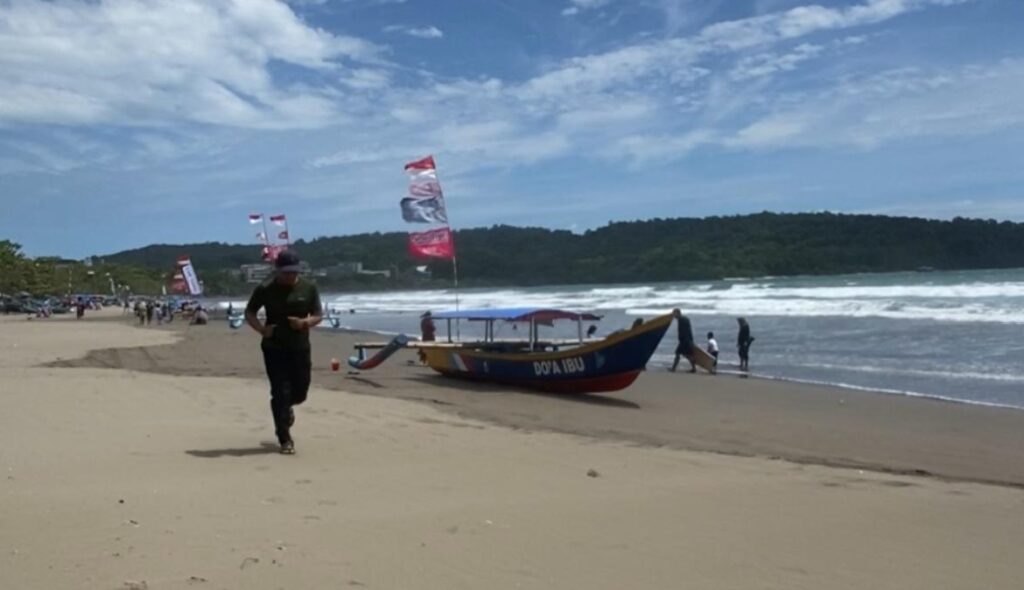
pixel 288 448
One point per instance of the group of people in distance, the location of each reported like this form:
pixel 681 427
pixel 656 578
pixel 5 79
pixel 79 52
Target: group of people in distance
pixel 687 344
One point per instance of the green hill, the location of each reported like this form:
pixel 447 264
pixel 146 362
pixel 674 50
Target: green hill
pixel 654 250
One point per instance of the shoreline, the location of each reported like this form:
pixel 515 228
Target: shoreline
pixel 755 417
pixel 662 366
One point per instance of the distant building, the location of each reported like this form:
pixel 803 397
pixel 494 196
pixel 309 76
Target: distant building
pixel 341 269
pixel 255 273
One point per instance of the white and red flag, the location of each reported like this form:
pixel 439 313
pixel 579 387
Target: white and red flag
pixel 255 217
pixel 278 219
pixel 420 165
pixel 434 243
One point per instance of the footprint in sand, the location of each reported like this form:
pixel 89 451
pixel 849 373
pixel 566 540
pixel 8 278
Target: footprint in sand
pixel 263 468
pixel 303 481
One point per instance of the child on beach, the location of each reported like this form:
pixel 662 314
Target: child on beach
pixel 713 346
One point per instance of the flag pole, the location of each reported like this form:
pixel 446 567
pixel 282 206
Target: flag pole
pixel 455 259
pixel 455 274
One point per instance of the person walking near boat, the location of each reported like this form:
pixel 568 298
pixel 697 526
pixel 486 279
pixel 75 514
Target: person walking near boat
pixel 685 346
pixel 292 307
pixel 427 329
pixel 428 332
pixel 743 342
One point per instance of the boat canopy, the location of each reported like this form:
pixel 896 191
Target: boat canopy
pixel 537 315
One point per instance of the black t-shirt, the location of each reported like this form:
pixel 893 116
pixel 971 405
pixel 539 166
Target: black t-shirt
pixel 685 331
pixel 281 301
pixel 743 339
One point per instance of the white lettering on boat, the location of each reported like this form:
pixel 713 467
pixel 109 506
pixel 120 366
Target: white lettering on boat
pixel 569 365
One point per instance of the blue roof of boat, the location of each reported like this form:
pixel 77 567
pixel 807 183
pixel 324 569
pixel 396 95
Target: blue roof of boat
pixel 515 314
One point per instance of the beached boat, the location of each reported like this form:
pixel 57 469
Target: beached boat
pixel 577 365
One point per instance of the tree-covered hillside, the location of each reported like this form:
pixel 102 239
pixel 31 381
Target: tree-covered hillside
pixel 658 249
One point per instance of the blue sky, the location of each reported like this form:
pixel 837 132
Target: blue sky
pixel 130 122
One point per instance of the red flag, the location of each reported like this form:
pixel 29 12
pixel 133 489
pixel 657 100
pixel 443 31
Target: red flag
pixel 278 219
pixel 270 252
pixel 434 243
pixel 420 165
pixel 255 217
pixel 283 235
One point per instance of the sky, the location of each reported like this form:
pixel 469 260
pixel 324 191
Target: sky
pixel 130 122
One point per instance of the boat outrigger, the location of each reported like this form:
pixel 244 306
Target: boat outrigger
pixel 577 365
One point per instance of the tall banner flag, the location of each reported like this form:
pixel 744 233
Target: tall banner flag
pixel 425 204
pixel 189 274
pixel 184 278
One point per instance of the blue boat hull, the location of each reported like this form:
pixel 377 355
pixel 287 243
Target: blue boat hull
pixel 608 365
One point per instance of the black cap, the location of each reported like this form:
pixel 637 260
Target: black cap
pixel 287 261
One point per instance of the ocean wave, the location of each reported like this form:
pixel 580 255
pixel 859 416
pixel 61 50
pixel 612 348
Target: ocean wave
pixel 964 301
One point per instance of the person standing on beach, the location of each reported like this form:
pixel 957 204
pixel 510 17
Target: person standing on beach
pixel 427 332
pixel 686 344
pixel 292 307
pixel 713 346
pixel 427 329
pixel 743 342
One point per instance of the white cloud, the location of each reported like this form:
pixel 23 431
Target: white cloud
pixel 767 64
pixel 428 32
pixel 124 61
pixel 652 101
pixel 577 6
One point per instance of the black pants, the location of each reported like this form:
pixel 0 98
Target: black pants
pixel 288 371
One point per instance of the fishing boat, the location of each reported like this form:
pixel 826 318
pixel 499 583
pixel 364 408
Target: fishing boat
pixel 578 365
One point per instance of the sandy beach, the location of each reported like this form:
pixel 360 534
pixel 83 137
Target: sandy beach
pixel 144 458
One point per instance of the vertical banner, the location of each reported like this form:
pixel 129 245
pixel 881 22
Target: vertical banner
pixel 424 203
pixel 191 279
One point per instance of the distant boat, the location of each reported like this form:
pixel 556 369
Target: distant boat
pixel 561 366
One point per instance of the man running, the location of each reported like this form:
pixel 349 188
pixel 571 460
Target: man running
pixel 292 307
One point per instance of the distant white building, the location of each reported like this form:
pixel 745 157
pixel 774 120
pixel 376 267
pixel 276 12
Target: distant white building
pixel 255 273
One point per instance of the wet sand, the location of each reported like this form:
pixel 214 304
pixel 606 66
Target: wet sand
pixel 724 413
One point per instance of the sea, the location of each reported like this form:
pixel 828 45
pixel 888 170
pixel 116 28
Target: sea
pixel 951 335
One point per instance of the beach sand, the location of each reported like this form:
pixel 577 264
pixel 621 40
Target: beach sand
pixel 169 478
pixel 724 413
